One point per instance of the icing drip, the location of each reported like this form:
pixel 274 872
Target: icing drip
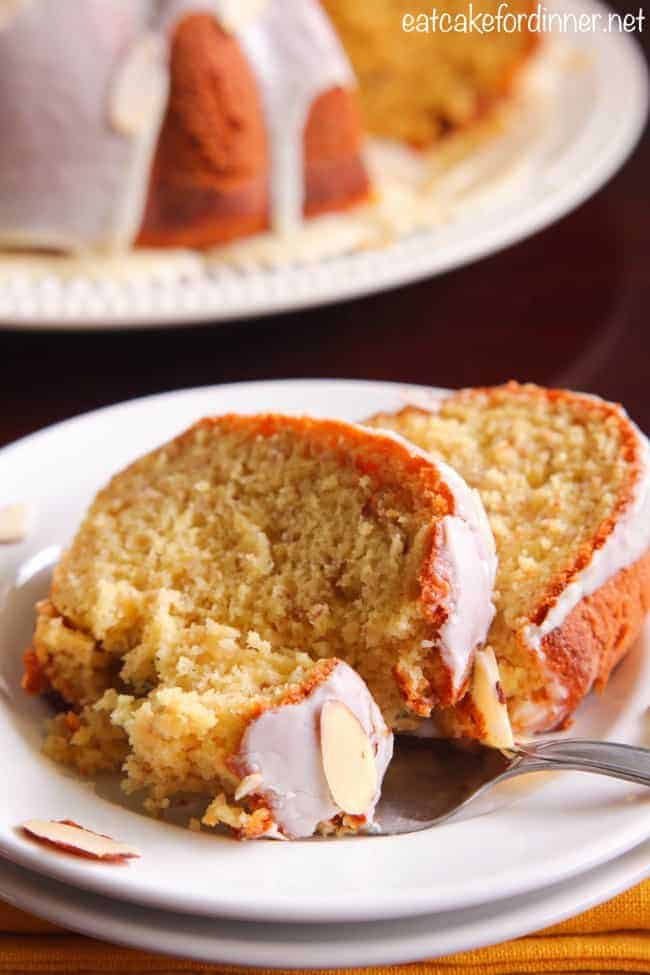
pixel 629 540
pixel 64 170
pixel 466 558
pixel 296 56
pixel 234 15
pixel 627 543
pixel 138 100
pixel 283 747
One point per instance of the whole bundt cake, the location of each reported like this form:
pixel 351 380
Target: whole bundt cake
pixel 187 123
pixel 171 122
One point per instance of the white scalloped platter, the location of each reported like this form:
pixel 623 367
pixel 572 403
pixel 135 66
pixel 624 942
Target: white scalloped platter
pixel 541 830
pixel 577 117
pixel 286 946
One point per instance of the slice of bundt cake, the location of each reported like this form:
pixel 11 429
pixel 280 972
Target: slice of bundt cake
pixel 175 123
pixel 565 480
pixel 250 727
pixel 200 618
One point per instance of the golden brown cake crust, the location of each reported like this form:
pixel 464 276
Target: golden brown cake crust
pixel 335 176
pixel 210 177
pixel 321 671
pixel 42 672
pixel 208 181
pixel 34 680
pixel 597 634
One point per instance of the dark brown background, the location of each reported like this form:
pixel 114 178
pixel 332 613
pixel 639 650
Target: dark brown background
pixel 568 307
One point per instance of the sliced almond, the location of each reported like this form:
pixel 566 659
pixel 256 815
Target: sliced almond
pixel 348 759
pixel 248 785
pixel 140 88
pixel 235 15
pixel 490 701
pixel 64 834
pixel 14 523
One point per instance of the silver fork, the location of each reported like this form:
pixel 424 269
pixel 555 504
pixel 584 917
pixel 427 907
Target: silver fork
pixel 430 781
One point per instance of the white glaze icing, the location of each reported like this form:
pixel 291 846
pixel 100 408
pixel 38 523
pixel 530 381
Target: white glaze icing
pixel 470 613
pixel 466 559
pixel 235 15
pixel 628 542
pixel 64 171
pixel 296 56
pixel 283 746
pixel 165 15
pixel 139 93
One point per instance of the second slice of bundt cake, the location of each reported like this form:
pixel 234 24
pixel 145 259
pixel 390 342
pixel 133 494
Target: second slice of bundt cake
pixel 565 480
pixel 224 586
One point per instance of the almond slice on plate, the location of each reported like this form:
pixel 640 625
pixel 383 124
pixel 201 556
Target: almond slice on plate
pixel 64 834
pixel 348 759
pixel 15 520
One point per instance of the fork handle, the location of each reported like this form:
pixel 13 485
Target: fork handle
pixel 582 755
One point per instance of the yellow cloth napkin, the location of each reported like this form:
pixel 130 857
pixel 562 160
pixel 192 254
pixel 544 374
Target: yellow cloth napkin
pixel 614 937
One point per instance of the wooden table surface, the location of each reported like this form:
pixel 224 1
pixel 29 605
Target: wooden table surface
pixel 568 307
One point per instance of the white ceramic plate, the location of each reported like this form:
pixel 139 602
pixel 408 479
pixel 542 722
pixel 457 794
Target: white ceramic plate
pixel 288 946
pixel 598 111
pixel 535 838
